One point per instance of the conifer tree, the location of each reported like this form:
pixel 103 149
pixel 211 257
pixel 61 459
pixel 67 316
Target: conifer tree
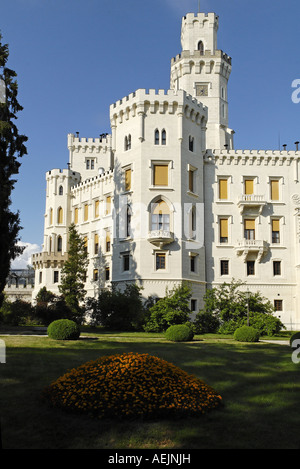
pixel 74 274
pixel 12 147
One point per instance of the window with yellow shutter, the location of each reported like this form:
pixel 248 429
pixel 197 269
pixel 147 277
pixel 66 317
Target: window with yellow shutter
pixel 223 190
pixel 160 176
pixel 97 205
pixel 108 205
pixel 274 189
pixel 249 229
pixel 76 215
pixel 224 230
pixel 86 212
pixel 275 231
pixel 249 186
pixel 127 179
pixel 96 243
pixel 60 216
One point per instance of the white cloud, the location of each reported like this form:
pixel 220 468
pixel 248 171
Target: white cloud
pixel 22 261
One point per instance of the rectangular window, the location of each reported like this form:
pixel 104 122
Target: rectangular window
pixel 193 305
pixel 160 261
pixel 224 267
pixel 160 222
pixel 193 263
pixel 40 277
pixel 76 216
pixel 107 242
pixel 96 244
pixel 160 176
pixel 248 186
pixel 55 276
pixel 92 164
pixel 249 229
pixel 108 205
pixel 250 268
pixel 276 267
pixel 107 273
pixel 191 180
pixel 95 275
pixel 275 189
pixel 224 230
pixel 97 206
pixel 127 179
pixel 86 212
pixel 85 239
pixel 223 190
pixel 126 262
pixel 278 305
pixel 275 231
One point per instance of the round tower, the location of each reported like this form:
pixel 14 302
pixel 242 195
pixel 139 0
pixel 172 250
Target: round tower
pixel 203 71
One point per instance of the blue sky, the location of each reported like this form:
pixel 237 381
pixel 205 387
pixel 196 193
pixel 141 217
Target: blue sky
pixel 74 58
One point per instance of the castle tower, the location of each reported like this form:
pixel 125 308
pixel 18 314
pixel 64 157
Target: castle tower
pixel 203 71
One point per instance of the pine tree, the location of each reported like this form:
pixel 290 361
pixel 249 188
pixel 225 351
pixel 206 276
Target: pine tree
pixel 11 148
pixel 74 274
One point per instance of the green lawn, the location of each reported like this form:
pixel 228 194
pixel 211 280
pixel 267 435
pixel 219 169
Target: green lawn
pixel 259 383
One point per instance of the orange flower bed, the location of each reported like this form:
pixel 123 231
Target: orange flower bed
pixel 131 385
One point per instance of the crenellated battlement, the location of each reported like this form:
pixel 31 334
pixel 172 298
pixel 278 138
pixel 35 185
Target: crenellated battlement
pixel 89 145
pixel 219 55
pixel 101 177
pixel 190 19
pixel 62 173
pixel 257 157
pixel 153 101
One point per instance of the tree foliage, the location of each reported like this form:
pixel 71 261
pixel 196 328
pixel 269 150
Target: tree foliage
pixel 170 310
pixel 12 147
pixel 73 274
pixel 117 310
pixel 226 308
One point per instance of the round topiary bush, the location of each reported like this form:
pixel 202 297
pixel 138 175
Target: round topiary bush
pixel 295 337
pixel 131 385
pixel 246 334
pixel 63 329
pixel 179 333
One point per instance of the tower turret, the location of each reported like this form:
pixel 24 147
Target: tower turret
pixel 203 71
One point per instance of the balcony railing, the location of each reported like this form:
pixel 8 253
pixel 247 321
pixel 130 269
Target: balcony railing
pixel 252 200
pixel 160 237
pixel 253 246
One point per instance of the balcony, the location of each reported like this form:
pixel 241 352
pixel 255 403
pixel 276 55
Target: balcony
pixel 251 201
pixel 251 246
pixel 160 237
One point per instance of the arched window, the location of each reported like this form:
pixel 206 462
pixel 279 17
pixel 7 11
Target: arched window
pixel 60 216
pixel 51 217
pixel 127 142
pixel 156 137
pixel 201 47
pixel 59 244
pixel 163 137
pixel 60 190
pixel 160 216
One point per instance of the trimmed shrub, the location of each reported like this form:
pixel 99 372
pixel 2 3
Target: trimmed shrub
pixel 206 322
pixel 131 386
pixel 294 337
pixel 63 329
pixel 246 334
pixel 179 333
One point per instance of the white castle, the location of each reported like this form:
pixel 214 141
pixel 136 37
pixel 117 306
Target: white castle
pixel 165 198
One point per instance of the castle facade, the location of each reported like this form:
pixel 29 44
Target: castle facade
pixel 165 197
